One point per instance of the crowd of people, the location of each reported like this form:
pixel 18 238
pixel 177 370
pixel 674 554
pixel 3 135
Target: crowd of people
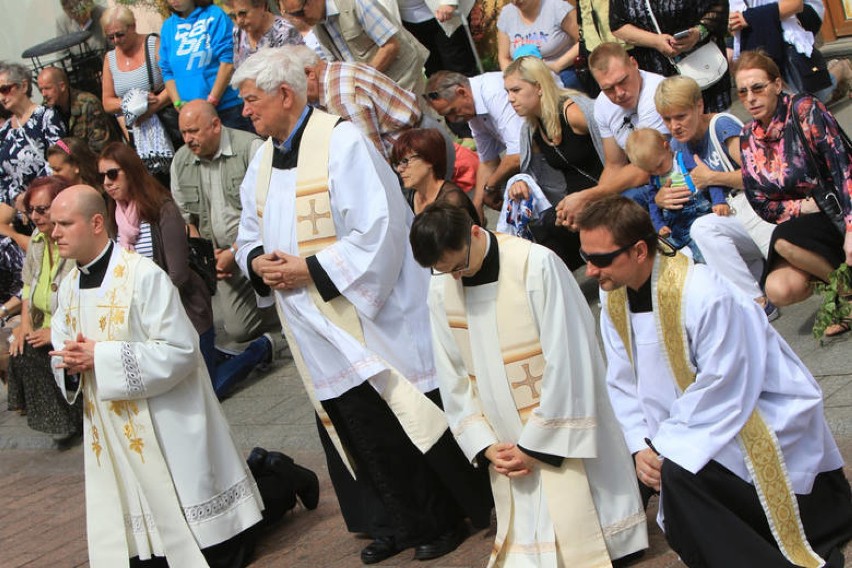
pixel 301 174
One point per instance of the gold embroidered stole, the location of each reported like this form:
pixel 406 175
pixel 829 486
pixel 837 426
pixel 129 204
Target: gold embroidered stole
pixel 125 428
pixel 420 418
pixel 762 452
pixel 579 536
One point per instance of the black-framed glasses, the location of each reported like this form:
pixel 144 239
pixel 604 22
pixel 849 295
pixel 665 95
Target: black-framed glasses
pixel 6 89
pixel 757 89
pixel 298 13
pixel 404 162
pixel 460 268
pixel 604 259
pixel 40 209
pixel 116 35
pixel 111 174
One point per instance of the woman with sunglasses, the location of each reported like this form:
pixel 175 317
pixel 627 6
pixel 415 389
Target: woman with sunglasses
pixel 146 219
pixel 26 135
pixel 419 156
pixel 201 67
pixel 72 161
pixel 781 173
pixel 256 27
pixel 32 388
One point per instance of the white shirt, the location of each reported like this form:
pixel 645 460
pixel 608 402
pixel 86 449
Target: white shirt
pixel 496 126
pixel 618 122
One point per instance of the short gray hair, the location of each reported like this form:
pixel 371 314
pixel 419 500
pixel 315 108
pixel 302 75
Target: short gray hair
pixel 443 82
pixel 18 74
pixel 306 56
pixel 272 67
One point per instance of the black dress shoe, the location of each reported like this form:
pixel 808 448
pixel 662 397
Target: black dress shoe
pixel 444 544
pixel 307 486
pixel 380 549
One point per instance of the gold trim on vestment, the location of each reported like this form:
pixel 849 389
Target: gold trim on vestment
pixel 761 450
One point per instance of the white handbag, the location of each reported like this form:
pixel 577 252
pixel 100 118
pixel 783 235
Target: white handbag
pixel 707 64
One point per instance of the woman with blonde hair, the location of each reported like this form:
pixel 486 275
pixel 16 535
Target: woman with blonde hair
pixel 561 148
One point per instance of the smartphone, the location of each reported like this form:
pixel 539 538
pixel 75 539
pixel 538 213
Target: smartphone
pixel 681 35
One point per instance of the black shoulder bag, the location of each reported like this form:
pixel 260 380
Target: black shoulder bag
pixel 168 115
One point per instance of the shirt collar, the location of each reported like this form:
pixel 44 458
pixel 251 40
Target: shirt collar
pixel 478 100
pixel 287 145
pixel 490 269
pixel 93 265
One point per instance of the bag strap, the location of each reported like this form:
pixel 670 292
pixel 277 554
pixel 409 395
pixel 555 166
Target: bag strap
pixel 148 63
pixel 686 177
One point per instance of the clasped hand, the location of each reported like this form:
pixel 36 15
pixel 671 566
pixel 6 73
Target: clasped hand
pixel 77 356
pixel 509 460
pixel 282 271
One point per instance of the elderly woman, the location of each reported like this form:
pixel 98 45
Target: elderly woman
pixel 256 27
pixel 735 246
pixel 419 156
pixel 24 138
pixel 561 148
pixel 197 59
pixel 791 148
pixel 700 22
pixel 32 388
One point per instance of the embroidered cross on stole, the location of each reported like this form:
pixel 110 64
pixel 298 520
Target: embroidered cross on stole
pixel 761 449
pixel 121 435
pixel 420 418
pixel 569 497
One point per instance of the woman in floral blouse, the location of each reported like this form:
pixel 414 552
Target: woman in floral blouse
pixel 780 179
pixel 257 27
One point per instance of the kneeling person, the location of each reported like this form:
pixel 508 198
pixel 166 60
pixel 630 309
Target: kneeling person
pixel 561 475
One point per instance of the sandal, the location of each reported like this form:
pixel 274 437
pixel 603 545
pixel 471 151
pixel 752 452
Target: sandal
pixel 838 328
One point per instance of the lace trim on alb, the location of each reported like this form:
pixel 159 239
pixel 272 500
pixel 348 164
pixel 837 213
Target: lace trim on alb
pixel 132 372
pixel 221 503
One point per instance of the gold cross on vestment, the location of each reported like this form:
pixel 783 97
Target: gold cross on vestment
pixel 115 313
pixel 528 381
pixel 313 217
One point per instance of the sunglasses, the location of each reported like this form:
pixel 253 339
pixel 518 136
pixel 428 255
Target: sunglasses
pixel 6 89
pixel 436 95
pixel 300 13
pixel 604 259
pixel 461 268
pixel 111 174
pixel 404 162
pixel 757 89
pixel 116 35
pixel 40 209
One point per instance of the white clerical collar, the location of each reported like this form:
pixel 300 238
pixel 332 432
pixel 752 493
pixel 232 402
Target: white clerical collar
pixel 85 269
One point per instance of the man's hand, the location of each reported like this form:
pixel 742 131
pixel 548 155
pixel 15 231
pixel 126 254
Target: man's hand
pixel 78 356
pixel 444 12
pixel 509 460
pixel 648 466
pixel 570 207
pixel 282 271
pixel 225 263
pixel 39 337
pixel 519 190
pixel 722 209
pixel 672 198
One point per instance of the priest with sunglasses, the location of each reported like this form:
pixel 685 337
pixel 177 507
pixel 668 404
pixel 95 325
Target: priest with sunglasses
pixel 522 380
pixel 722 418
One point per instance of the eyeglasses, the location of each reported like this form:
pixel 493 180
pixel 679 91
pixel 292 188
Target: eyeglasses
pixel 757 89
pixel 40 209
pixel 461 268
pixel 111 174
pixel 404 163
pixel 241 15
pixel 116 35
pixel 299 13
pixel 436 95
pixel 6 89
pixel 604 259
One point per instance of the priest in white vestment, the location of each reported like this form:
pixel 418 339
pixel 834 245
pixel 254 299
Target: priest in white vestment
pixel 163 476
pixel 323 237
pixel 522 381
pixel 721 416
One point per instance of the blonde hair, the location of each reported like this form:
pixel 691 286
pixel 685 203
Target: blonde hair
pixel 605 53
pixel 532 70
pixel 677 92
pixel 643 145
pixel 118 14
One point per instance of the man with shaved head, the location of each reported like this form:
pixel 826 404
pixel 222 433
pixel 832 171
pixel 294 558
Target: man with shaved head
pixel 163 476
pixel 206 176
pixel 83 113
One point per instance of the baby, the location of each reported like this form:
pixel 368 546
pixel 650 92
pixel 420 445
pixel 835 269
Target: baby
pixel 649 150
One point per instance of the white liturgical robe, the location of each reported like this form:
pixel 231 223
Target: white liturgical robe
pixel 573 419
pixel 370 263
pixel 741 363
pixel 163 476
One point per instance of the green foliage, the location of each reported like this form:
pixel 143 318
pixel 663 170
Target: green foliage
pixel 836 305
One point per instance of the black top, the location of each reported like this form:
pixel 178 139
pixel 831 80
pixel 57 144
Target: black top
pixel 575 156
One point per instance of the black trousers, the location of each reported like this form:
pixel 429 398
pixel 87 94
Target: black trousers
pixel 715 519
pixel 402 497
pixel 445 53
pixel 235 552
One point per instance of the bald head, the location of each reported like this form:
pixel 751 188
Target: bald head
pixel 79 216
pixel 201 128
pixel 53 84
